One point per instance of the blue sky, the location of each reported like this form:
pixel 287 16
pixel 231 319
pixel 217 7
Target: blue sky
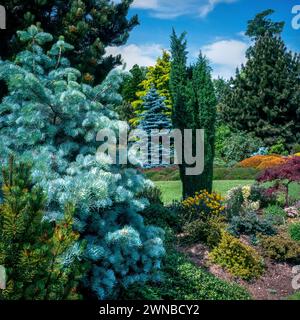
pixel 214 26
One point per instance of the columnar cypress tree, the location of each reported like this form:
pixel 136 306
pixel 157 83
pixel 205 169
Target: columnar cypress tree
pixel 265 98
pixel 202 106
pixel 154 118
pixel 52 119
pixel 194 107
pixel 159 77
pixel 178 82
pixel 40 258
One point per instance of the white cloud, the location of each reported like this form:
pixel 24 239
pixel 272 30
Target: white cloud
pixel 168 9
pixel 145 4
pixel 210 5
pixel 225 56
pixel 143 55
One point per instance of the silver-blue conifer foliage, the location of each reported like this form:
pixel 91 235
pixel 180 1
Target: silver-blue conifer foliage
pixel 154 118
pixel 50 119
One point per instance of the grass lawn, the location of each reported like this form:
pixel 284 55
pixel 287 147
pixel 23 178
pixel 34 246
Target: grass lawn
pixel 172 190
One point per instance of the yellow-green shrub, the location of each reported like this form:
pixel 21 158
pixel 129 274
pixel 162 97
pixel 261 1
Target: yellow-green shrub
pixel 281 248
pixel 208 232
pixel 238 258
pixel 203 205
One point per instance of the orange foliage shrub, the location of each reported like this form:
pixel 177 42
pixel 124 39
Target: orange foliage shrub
pixel 263 162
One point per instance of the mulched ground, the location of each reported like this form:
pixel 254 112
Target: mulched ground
pixel 275 284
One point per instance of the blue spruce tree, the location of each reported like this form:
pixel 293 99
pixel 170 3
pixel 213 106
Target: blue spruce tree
pixel 154 119
pixel 50 119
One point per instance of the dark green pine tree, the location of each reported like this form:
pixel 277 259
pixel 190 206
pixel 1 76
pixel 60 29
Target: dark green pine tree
pixel 222 88
pixel 154 118
pixel 194 107
pixel 39 257
pixel 130 86
pixel 132 83
pixel 265 96
pixel 90 26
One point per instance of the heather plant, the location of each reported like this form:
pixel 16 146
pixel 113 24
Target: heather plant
pixel 50 119
pixel 293 212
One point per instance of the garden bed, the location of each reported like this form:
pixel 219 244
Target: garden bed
pixel 275 283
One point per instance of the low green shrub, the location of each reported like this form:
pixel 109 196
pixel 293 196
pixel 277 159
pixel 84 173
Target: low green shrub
pixel 251 224
pixel 163 174
pixel 280 248
pixel 221 172
pixel 208 232
pixel 276 213
pixel 183 280
pixel 294 231
pixel 238 258
pixel 235 173
pixel 295 296
pixel 296 148
pixel 279 148
pixel 158 215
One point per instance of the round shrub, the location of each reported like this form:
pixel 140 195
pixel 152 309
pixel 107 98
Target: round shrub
pixel 281 248
pixel 261 162
pixel 294 231
pixel 158 215
pixel 238 258
pixel 208 232
pixel 203 205
pixel 276 213
pixel 250 224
